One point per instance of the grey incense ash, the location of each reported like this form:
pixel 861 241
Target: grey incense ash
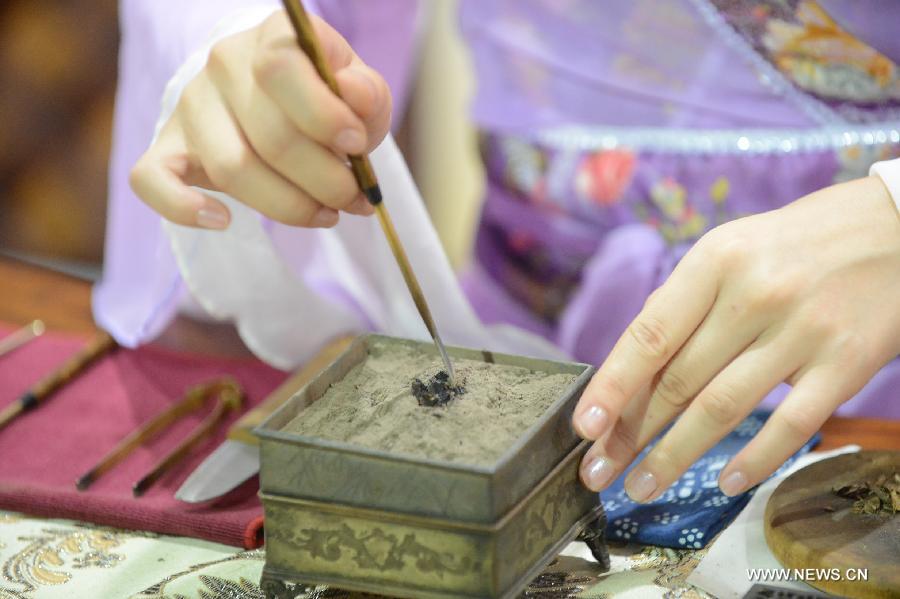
pixel 399 400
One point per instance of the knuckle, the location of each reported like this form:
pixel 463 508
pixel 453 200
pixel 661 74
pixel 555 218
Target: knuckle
pixel 798 423
pixel 623 441
pixel 673 388
pixel 818 324
pixel 650 337
pixel 276 144
pixel 607 385
pixel 852 351
pixel 734 251
pixel 726 245
pixel 219 60
pixel 663 460
pixel 720 404
pixel 270 65
pixel 773 294
pixel 191 100
pixel 225 169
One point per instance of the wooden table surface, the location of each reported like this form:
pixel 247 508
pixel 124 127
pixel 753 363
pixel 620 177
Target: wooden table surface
pixel 63 303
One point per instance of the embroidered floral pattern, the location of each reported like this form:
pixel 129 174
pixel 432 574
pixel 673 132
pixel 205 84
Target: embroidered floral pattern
pixel 526 167
pixel 236 574
pixel 817 56
pixel 602 177
pixel 49 556
pixel 820 57
pixel 671 213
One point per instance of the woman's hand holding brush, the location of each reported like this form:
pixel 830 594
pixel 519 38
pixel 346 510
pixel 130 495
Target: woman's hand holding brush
pixel 259 124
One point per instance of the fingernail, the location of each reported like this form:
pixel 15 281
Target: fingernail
pixel 733 484
pixel 593 422
pixel 212 217
pixel 325 217
pixel 350 141
pixel 640 486
pixel 361 207
pixel 598 473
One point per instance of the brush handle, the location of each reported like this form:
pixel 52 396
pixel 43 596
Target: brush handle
pixel 97 347
pixel 309 43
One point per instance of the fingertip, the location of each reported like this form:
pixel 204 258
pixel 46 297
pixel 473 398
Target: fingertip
pixel 591 422
pixel 597 472
pixel 642 486
pixel 360 207
pixel 324 218
pixel 213 215
pixel 164 192
pixel 350 141
pixel 733 483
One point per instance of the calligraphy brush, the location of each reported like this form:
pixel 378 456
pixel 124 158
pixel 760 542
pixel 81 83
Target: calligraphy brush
pixel 99 345
pixel 365 177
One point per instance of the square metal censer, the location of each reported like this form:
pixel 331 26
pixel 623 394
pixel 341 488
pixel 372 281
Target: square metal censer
pixel 397 525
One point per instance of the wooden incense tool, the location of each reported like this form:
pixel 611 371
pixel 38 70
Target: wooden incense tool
pixel 228 397
pixel 365 176
pixel 15 340
pixel 97 347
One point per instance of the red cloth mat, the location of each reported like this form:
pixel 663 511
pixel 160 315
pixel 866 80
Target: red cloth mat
pixel 44 451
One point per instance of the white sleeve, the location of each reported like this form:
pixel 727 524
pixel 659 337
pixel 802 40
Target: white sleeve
pixel 889 172
pixel 289 290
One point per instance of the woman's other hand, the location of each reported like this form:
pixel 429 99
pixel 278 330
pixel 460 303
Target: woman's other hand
pixel 259 124
pixel 807 294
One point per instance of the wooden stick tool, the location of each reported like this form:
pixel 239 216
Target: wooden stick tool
pixel 14 341
pixel 365 177
pixel 96 348
pixel 228 396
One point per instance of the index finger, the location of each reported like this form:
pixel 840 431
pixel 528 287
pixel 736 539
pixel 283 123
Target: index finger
pixel 290 78
pixel 669 317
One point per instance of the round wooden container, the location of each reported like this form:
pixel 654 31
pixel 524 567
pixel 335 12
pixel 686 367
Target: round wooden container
pixel 808 526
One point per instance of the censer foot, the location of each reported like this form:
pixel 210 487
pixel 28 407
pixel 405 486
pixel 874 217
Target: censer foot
pixel 274 588
pixel 594 536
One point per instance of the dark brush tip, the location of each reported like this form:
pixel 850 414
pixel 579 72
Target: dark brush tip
pixel 140 487
pixel 373 194
pixel 85 481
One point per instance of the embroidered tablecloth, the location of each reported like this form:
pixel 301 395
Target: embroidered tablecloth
pixel 46 450
pixel 62 559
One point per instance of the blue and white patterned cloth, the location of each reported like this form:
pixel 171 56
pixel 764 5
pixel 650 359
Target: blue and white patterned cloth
pixel 693 510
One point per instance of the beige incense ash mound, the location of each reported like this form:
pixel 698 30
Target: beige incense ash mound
pixel 374 407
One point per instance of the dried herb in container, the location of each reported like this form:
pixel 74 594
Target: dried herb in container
pixel 879 496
